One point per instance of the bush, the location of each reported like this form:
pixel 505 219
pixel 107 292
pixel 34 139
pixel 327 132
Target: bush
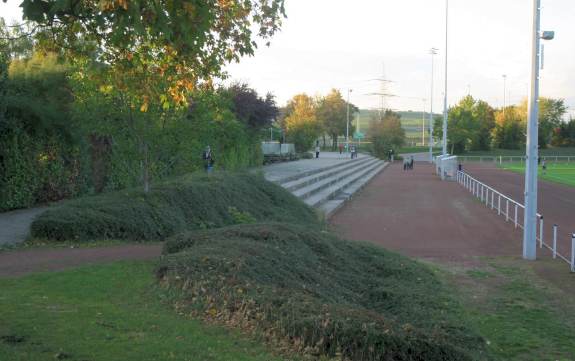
pixel 316 294
pixel 192 202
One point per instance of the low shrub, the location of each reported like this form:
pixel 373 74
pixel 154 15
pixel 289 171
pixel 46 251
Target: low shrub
pixel 197 201
pixel 310 292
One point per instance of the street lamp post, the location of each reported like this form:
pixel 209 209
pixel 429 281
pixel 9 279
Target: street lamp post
pixel 530 216
pixel 433 52
pixel 347 122
pixel 504 93
pixel 445 91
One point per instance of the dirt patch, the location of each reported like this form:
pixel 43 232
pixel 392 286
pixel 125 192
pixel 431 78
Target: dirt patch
pixel 22 262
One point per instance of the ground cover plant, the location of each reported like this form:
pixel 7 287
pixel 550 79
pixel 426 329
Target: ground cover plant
pixel 195 201
pixel 107 312
pixel 563 173
pixel 311 292
pixel 522 313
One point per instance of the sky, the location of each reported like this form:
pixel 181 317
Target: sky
pixel 344 44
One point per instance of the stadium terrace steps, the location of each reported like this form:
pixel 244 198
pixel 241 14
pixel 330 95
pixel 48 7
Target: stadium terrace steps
pixel 328 188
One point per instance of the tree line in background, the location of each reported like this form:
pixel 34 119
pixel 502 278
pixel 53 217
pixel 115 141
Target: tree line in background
pixel 305 119
pixel 98 96
pixel 473 125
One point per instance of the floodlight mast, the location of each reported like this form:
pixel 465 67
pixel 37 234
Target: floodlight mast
pixel 347 122
pixel 433 52
pixel 530 216
pixel 445 91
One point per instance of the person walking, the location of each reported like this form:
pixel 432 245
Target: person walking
pixel 317 149
pixel 411 163
pixel 544 166
pixel 208 158
pixel 340 146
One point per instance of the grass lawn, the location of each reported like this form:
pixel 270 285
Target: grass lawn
pixel 106 312
pixel 563 173
pixel 521 315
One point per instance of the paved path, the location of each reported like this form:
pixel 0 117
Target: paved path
pixel 15 225
pixel 279 171
pixel 417 214
pixel 23 262
pixel 556 201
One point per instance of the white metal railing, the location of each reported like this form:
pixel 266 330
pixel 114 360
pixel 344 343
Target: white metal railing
pixel 514 159
pixel 509 208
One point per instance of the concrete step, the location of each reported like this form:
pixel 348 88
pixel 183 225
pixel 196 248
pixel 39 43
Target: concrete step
pixel 302 182
pixel 331 206
pixel 316 187
pixel 311 172
pixel 335 189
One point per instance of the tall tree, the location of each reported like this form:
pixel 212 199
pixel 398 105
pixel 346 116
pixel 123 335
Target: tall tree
pixel 256 112
pixel 483 114
pixel 509 132
pixel 470 125
pixel 332 114
pixel 386 134
pixel 551 113
pixel 301 124
pixel 564 135
pixel 179 43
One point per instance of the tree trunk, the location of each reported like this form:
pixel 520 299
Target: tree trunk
pixel 100 149
pixel 145 167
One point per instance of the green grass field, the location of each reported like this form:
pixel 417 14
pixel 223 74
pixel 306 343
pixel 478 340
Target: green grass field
pixel 563 173
pixel 107 312
pixel 113 312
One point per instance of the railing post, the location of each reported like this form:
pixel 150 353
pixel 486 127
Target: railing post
pixel 507 211
pixel 515 215
pixel 482 193
pixel 541 232
pixel 487 197
pixel 554 241
pixel 573 253
pixel 499 204
pixel 492 199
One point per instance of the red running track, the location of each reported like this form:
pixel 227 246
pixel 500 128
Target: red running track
pixel 556 202
pixel 417 214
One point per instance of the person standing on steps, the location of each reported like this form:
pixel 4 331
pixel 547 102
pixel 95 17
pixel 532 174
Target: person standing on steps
pixel 208 158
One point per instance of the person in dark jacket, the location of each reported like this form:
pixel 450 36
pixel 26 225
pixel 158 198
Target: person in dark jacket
pixel 208 158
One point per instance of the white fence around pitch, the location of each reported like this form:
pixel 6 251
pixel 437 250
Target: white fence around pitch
pixel 500 159
pixel 510 209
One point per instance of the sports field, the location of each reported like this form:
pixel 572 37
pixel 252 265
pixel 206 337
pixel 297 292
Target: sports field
pixel 563 173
